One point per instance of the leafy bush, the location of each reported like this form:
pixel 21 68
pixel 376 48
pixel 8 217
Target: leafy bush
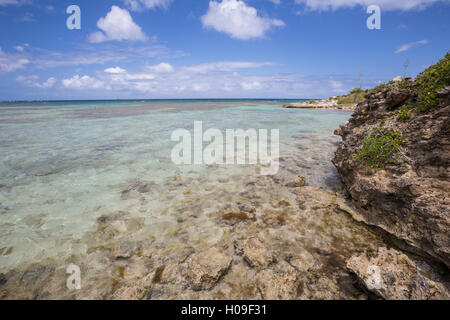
pixel 357 90
pixel 355 96
pixel 430 81
pixel 381 147
pixel 378 88
pixel 405 113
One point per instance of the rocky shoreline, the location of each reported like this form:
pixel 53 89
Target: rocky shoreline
pixel 346 102
pixel 330 103
pixel 394 163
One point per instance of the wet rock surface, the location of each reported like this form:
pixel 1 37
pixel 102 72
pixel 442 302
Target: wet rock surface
pixel 255 252
pixel 294 247
pixel 297 182
pixel 206 268
pixel 392 275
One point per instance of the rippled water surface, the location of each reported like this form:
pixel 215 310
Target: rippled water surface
pixel 66 168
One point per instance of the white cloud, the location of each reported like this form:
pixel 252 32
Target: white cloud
pixel 115 70
pixel 237 19
pixel 139 76
pixel 250 85
pixel 118 25
pixel 323 5
pixel 49 83
pixel 97 55
pixel 139 5
pixel 214 79
pixel 201 87
pixel 84 82
pixel 12 2
pixel 224 66
pixel 410 45
pixel 336 86
pixel 161 68
pixel 32 81
pixel 11 62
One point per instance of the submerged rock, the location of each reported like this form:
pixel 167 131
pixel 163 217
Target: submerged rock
pixel 238 213
pixel 3 279
pixel 279 285
pixel 392 275
pixel 255 252
pixel 297 182
pixel 135 189
pixel 6 251
pixel 206 268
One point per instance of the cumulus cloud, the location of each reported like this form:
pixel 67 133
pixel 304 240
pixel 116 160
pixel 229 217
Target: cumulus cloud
pixel 410 45
pixel 32 81
pixel 118 25
pixel 83 83
pixel 115 70
pixel 139 5
pixel 237 19
pixel 164 78
pixel 11 62
pixel 219 79
pixel 161 68
pixel 324 5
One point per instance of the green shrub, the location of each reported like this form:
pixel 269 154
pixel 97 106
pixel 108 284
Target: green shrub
pixel 381 147
pixel 430 81
pixel 406 84
pixel 405 113
pixel 378 88
pixel 356 91
pixel 345 100
pixel 355 96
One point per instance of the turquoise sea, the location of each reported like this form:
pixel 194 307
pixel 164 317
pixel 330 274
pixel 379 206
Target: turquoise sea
pixel 66 164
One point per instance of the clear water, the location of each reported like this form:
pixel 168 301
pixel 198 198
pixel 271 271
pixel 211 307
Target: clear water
pixel 65 164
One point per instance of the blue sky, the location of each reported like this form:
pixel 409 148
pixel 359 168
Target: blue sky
pixel 139 49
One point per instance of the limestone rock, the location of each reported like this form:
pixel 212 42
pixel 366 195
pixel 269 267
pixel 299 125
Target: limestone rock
pixel 304 262
pixel 255 252
pixel 297 182
pixel 233 217
pixel 278 286
pixel 206 268
pixel 409 200
pixel 393 275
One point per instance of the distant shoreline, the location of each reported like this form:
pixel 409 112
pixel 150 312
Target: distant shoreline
pixel 151 100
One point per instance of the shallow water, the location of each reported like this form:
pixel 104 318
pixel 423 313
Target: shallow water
pixel 66 166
